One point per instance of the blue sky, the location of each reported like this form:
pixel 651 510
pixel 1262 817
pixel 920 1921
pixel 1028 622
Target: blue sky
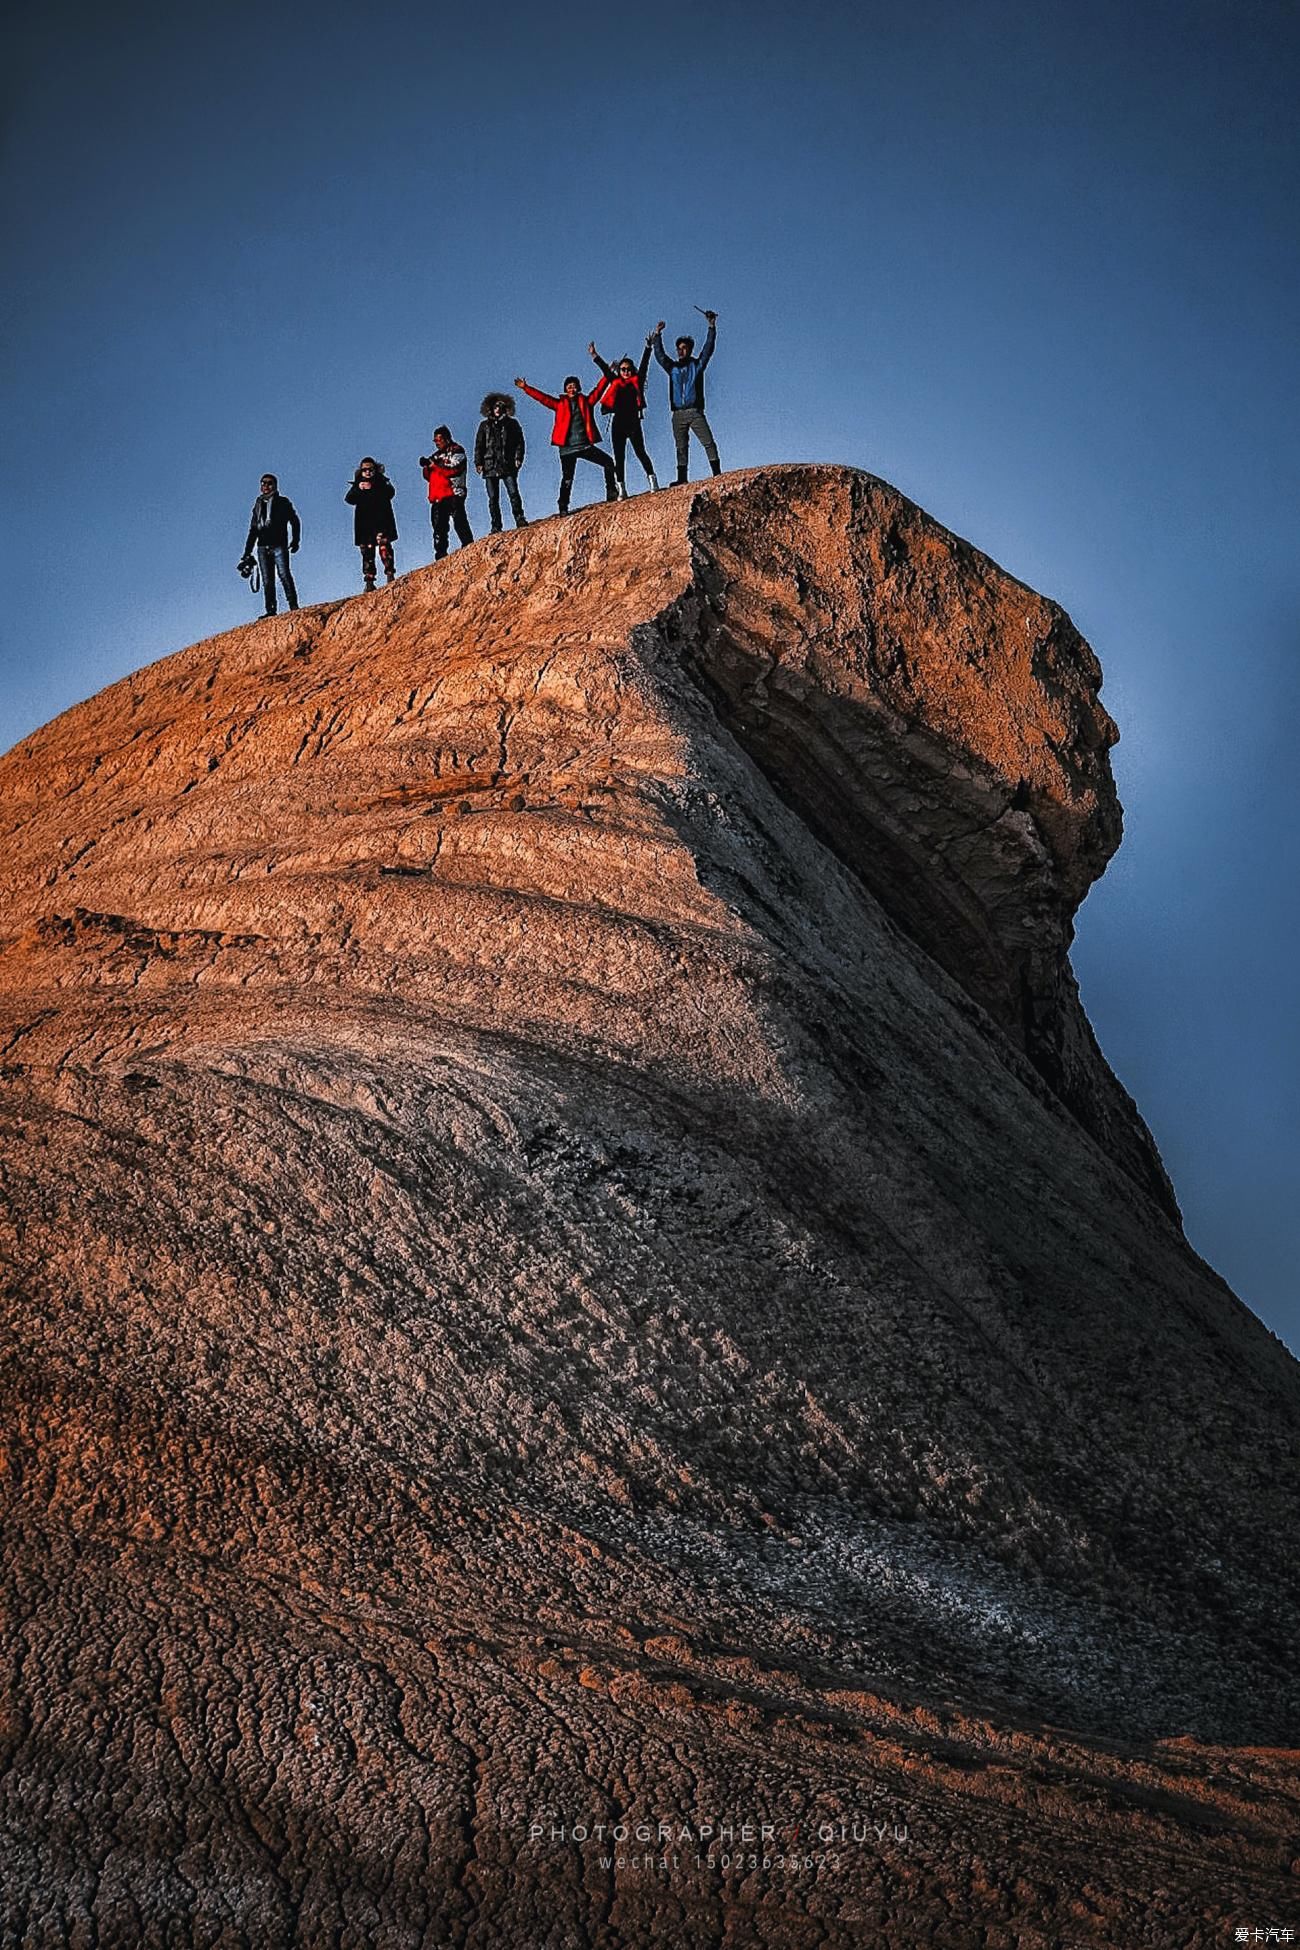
pixel 1036 265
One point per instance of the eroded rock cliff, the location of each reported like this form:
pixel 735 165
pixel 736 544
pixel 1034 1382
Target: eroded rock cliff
pixel 571 1258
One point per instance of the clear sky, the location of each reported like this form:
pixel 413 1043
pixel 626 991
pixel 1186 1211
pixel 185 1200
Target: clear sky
pixel 1035 264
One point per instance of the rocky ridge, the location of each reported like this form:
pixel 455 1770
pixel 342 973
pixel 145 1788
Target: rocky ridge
pixel 571 1255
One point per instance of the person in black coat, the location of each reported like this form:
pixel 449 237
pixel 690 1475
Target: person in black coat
pixel 274 531
pixel 374 526
pixel 499 455
pixel 624 400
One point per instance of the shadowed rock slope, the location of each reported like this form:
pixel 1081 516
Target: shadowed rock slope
pixel 571 1259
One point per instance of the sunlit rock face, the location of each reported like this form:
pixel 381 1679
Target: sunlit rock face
pixel 572 1261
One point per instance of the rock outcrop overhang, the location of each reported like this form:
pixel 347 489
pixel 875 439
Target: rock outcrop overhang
pixel 569 1243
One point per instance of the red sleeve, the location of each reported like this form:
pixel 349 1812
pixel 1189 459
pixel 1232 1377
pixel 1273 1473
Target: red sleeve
pixel 597 390
pixel 546 399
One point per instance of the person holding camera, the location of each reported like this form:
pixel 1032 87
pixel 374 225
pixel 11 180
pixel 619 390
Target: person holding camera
pixel 446 470
pixel 374 525
pixel 686 393
pixel 274 531
pixel 499 455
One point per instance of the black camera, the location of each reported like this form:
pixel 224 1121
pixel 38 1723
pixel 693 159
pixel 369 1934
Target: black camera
pixel 246 565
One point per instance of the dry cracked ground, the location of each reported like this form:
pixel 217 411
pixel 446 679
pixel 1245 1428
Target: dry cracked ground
pixel 593 1356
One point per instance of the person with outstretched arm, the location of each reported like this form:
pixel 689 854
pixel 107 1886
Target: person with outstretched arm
pixel 686 393
pixel 274 531
pixel 446 470
pixel 574 433
pixel 499 455
pixel 374 525
pixel 624 400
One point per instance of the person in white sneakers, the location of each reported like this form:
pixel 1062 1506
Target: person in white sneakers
pixel 624 401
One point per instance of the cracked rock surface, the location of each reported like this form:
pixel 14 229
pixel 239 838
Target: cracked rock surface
pixel 571 1262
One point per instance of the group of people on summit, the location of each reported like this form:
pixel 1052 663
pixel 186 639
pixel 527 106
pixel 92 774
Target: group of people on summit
pixel 274 530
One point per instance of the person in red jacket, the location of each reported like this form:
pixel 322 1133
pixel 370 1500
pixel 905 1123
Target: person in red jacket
pixel 574 433
pixel 446 470
pixel 624 400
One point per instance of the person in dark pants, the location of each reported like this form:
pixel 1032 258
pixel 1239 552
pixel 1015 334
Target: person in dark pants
pixel 499 455
pixel 446 470
pixel 574 433
pixel 624 400
pixel 374 525
pixel 274 531
pixel 686 394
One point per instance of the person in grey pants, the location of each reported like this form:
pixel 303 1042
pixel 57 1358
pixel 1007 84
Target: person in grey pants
pixel 686 394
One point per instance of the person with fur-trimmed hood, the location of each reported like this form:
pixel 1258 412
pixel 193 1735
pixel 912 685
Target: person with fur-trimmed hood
pixel 373 524
pixel 499 455
pixel 574 433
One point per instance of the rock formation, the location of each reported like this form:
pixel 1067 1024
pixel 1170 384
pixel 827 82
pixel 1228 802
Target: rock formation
pixel 572 1262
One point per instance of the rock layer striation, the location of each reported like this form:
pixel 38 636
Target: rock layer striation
pixel 572 1260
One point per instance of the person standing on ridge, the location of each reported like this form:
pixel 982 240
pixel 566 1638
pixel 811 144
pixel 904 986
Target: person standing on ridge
pixel 686 393
pixel 373 524
pixel 624 400
pixel 274 531
pixel 499 455
pixel 446 469
pixel 574 433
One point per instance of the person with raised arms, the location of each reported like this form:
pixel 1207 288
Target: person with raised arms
pixel 686 393
pixel 574 433
pixel 624 400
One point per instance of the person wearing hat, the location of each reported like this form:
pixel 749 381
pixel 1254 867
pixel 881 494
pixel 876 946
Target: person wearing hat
pixel 499 455
pixel 274 531
pixel 686 393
